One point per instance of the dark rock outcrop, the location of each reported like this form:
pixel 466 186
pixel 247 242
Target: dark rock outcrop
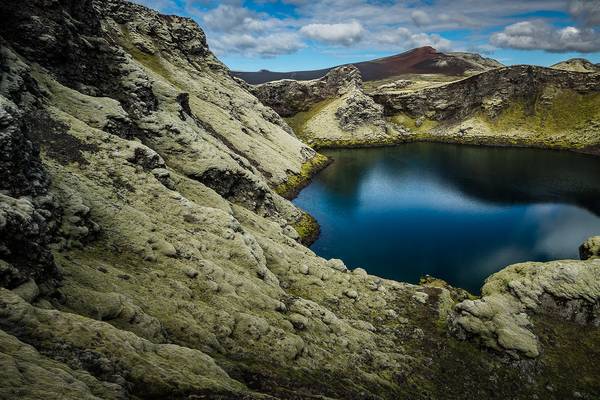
pixel 590 248
pixel 154 194
pixel 289 97
pixel 490 92
pixel 359 109
pixel 67 39
pixel 28 214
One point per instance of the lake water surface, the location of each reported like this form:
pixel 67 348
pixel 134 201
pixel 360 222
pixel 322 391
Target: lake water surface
pixel 459 213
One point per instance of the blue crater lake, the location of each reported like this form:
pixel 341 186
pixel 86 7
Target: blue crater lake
pixel 459 213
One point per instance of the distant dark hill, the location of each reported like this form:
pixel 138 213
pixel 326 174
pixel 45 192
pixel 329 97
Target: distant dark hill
pixel 423 60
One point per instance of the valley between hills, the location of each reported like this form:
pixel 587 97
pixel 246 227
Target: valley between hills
pixel 149 248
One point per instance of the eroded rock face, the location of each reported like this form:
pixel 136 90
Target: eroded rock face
pixel 23 245
pixel 288 97
pixel 181 272
pixel 21 171
pixel 590 248
pixel 27 213
pixel 359 109
pixel 340 111
pixel 501 318
pixel 511 106
pixel 490 92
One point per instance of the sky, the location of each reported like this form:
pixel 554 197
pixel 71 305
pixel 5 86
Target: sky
pixel 292 35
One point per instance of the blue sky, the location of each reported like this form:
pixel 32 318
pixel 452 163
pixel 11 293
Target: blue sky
pixel 284 35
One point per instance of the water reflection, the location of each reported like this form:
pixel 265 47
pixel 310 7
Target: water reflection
pixel 456 212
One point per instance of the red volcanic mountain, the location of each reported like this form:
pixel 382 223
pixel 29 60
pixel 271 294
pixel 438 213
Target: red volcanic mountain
pixel 423 60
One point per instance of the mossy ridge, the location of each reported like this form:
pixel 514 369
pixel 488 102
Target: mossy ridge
pixel 420 81
pixel 557 119
pixel 153 62
pixel 308 229
pixel 150 61
pixel 566 110
pixel 302 383
pixel 298 122
pixel 321 144
pixel 411 123
pixel 570 355
pixel 536 133
pixel 418 133
pixel 484 140
pixel 460 366
pixel 296 182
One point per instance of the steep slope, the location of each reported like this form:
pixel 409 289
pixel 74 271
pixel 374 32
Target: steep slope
pixel 521 105
pixel 144 253
pixel 422 60
pixel 577 65
pixel 332 109
pixel 481 63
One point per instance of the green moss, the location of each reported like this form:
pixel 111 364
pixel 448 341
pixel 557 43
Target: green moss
pixel 550 115
pixel 390 140
pixel 570 354
pixel 150 61
pixel 411 123
pixel 298 122
pixel 295 182
pixel 308 229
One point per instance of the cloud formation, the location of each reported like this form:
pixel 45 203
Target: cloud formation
pixel 226 18
pixel 234 29
pixel 404 38
pixel 586 11
pixel 420 18
pixel 539 35
pixel 265 46
pixel 269 28
pixel 345 34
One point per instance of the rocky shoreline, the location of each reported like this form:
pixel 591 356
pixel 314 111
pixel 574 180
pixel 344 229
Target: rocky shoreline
pixel 521 106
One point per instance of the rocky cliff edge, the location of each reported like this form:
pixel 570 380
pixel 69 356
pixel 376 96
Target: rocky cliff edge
pixel 146 253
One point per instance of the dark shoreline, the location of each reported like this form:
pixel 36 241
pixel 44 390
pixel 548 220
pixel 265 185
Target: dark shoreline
pixel 474 141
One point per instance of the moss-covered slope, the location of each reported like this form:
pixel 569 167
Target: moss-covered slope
pixel 522 105
pixel 146 251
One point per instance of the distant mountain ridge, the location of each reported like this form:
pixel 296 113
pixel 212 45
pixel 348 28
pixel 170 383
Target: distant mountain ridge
pixel 422 60
pixel 577 65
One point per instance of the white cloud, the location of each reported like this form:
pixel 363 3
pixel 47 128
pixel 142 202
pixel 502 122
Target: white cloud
pixel 562 229
pixel 436 15
pixel 435 19
pixel 227 18
pixel 234 29
pixel 539 35
pixel 369 25
pixel 262 46
pixel 403 38
pixel 586 11
pixel 344 34
pixel 420 18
